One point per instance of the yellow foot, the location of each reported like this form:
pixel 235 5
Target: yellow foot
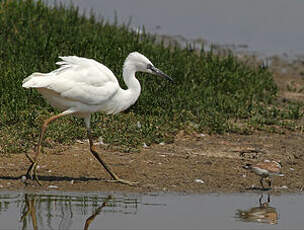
pixel 122 181
pixel 32 172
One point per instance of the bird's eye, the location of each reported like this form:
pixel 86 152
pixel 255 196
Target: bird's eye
pixel 149 66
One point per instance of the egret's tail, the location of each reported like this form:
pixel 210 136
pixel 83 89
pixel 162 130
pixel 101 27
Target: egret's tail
pixel 35 80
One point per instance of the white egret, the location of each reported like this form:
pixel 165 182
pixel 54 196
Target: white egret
pixel 82 86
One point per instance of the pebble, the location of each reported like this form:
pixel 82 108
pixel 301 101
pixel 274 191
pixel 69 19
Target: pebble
pixel 199 181
pixel 80 141
pixel 100 141
pixel 52 186
pixel 23 178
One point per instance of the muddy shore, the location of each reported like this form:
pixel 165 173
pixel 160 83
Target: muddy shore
pixel 193 164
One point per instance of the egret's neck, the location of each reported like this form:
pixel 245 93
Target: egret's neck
pixel 130 80
pixel 129 96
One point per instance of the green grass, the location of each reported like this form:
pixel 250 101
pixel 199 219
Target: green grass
pixel 212 94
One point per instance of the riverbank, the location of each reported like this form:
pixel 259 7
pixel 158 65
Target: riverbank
pixel 195 163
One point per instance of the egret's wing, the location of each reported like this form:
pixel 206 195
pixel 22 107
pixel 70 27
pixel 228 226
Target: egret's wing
pixel 78 79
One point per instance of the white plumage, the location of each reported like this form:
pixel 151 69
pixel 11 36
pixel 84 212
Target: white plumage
pixel 82 86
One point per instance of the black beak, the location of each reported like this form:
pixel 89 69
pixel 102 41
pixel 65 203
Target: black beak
pixel 159 72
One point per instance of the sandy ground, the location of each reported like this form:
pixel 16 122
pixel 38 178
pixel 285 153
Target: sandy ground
pixel 194 163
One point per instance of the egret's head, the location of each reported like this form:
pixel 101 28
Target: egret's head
pixel 143 64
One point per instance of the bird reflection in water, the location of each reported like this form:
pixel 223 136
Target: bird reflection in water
pixel 30 209
pixel 264 213
pixel 97 212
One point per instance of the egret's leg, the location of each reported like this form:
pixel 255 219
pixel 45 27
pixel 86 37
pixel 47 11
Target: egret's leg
pixel 260 200
pixel 31 172
pixel 103 163
pixel 269 182
pixel 261 182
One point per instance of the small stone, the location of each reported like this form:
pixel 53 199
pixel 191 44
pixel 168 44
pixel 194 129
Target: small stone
pixel 23 178
pixel 145 145
pixel 80 141
pixel 53 186
pixel 100 141
pixel 162 143
pixel 199 181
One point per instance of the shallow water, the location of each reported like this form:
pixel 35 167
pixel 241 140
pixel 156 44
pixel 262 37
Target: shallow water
pixel 64 210
pixel 272 26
